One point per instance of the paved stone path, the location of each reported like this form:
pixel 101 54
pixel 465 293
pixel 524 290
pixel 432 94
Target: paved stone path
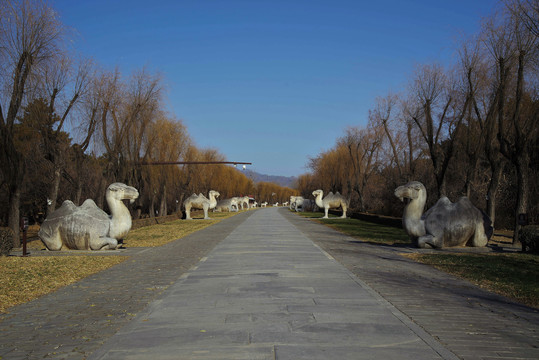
pixel 266 291
pixel 471 322
pixel 75 320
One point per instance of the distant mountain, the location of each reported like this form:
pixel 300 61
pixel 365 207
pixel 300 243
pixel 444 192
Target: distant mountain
pixel 287 181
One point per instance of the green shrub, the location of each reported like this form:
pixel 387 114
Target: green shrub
pixel 529 238
pixel 6 241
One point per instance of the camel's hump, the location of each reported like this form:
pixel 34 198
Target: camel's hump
pixel 87 210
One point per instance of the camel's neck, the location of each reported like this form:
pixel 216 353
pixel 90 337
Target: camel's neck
pixel 318 201
pixel 412 216
pixel 414 209
pixel 120 223
pixel 213 201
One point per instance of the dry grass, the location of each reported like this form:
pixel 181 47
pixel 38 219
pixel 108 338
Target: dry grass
pixel 514 275
pixel 27 278
pixel 158 235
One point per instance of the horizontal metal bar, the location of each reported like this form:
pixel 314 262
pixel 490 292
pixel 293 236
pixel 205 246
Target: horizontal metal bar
pixel 192 163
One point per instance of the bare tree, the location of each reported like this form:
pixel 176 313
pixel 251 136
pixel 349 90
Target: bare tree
pixel 527 11
pixel 472 83
pixel 64 85
pixel 518 124
pixel 511 116
pixel 127 111
pixel 88 117
pixel 30 36
pixel 438 114
pixel 363 148
pixel 168 141
pixel 383 114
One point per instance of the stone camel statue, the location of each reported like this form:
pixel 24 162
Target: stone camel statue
pixel 331 201
pixel 446 224
pixel 200 202
pixel 296 202
pixel 244 200
pixel 225 205
pixel 87 227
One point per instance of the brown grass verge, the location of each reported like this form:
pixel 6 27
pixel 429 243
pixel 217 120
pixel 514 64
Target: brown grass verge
pixel 158 235
pixel 27 278
pixel 514 275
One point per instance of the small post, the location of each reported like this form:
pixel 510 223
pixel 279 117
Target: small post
pixel 24 227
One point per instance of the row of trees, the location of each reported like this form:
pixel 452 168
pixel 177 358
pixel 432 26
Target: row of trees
pixel 471 129
pixel 68 128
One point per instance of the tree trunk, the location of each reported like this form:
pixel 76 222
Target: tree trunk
pixel 14 213
pixel 100 194
pixel 522 165
pixel 53 194
pixel 470 175
pixel 152 206
pixel 180 202
pixel 497 171
pixel 411 168
pixel 16 176
pixel 78 168
pixel 78 194
pixel 163 205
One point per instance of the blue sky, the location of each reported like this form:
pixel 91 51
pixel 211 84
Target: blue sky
pixel 272 82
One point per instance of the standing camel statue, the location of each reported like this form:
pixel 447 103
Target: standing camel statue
pixel 87 227
pixel 331 201
pixel 244 200
pixel 446 224
pixel 200 202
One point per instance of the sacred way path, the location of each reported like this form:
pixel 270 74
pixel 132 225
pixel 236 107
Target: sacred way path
pixel 268 284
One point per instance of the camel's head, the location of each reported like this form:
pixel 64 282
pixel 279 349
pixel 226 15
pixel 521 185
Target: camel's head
pixel 214 193
pixel 413 190
pixel 317 192
pixel 119 191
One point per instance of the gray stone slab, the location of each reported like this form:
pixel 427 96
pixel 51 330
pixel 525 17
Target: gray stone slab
pixel 248 352
pixel 266 286
pixel 326 351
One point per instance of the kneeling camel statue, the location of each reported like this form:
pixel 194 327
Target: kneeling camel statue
pixel 87 227
pixel 446 224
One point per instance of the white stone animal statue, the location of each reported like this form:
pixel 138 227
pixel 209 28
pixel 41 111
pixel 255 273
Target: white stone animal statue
pixel 296 202
pixel 264 204
pixel 87 227
pixel 200 202
pixel 235 203
pixel 255 204
pixel 244 200
pixel 225 205
pixel 285 203
pixel 331 201
pixel 446 224
pixel 292 202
